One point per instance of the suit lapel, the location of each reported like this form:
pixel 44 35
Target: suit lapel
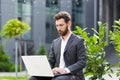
pixel 69 42
pixel 59 46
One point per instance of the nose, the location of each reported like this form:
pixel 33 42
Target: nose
pixel 58 28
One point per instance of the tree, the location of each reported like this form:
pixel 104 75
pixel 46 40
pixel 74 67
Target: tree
pixel 14 28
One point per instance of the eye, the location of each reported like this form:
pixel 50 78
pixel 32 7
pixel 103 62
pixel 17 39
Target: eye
pixel 60 25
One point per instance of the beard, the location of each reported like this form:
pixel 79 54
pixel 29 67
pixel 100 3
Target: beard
pixel 63 33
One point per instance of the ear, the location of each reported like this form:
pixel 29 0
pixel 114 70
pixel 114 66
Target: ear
pixel 69 23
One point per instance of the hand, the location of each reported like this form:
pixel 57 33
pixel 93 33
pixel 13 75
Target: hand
pixel 59 70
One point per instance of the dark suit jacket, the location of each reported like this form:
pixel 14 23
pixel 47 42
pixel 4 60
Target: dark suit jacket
pixel 74 55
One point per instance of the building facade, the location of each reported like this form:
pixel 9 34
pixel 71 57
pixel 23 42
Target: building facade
pixel 39 15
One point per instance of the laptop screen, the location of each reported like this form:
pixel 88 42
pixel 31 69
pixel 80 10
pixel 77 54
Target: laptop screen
pixel 37 65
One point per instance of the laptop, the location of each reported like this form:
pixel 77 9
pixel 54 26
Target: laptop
pixel 37 66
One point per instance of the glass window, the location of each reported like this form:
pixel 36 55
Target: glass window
pixel 77 13
pixel 51 9
pixel 0 21
pixel 0 14
pixel 24 13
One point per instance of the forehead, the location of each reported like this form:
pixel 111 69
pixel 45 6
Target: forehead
pixel 59 21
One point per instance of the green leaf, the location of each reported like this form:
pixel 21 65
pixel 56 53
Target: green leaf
pixel 117 22
pixel 95 31
pixel 14 27
pixel 95 45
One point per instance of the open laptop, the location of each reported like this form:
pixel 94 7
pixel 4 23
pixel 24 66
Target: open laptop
pixel 37 66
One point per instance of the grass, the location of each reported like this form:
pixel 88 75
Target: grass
pixel 12 78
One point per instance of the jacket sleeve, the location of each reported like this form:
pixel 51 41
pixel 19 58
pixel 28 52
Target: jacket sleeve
pixel 52 60
pixel 81 57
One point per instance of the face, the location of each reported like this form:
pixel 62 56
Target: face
pixel 62 27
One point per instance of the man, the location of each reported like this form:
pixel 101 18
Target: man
pixel 67 57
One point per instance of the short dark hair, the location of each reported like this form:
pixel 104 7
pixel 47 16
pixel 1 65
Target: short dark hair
pixel 63 15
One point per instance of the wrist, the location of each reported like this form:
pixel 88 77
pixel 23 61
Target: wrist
pixel 67 70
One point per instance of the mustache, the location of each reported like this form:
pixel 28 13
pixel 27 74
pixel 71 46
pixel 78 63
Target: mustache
pixel 60 31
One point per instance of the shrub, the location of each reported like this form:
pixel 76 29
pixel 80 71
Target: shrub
pixel 115 35
pixel 12 68
pixel 5 66
pixel 115 39
pixel 5 63
pixel 13 28
pixel 95 44
pixel 42 51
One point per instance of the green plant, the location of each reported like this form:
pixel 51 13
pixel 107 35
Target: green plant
pixel 12 68
pixel 118 64
pixel 97 65
pixel 115 35
pixel 42 51
pixel 13 28
pixel 115 39
pixel 5 63
pixel 3 56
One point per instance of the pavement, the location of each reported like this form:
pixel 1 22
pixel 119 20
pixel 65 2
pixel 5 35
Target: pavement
pixel 24 73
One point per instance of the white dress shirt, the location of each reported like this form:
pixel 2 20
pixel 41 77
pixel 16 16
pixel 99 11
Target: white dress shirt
pixel 63 45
